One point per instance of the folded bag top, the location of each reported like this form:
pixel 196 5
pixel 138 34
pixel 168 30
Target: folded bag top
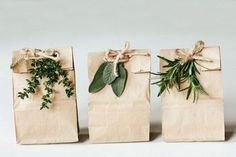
pixel 208 57
pixel 136 63
pixel 21 60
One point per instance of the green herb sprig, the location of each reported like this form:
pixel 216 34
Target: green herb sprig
pixel 53 72
pixel 105 76
pixel 178 73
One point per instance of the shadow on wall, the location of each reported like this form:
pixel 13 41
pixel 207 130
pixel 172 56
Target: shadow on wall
pixel 229 135
pixel 230 122
pixel 230 118
pixel 155 131
pixel 84 137
pixel 154 134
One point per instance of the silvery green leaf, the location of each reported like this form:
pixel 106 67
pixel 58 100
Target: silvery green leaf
pixel 108 73
pixel 97 84
pixel 118 86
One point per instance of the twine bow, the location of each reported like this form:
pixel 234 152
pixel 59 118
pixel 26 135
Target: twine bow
pixel 29 54
pixel 194 53
pixel 121 56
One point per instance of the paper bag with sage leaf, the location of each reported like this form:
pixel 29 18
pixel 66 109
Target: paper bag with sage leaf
pixel 115 114
pixel 201 119
pixel 44 96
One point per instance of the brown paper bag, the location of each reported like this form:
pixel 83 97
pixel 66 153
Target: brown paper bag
pixel 58 124
pixel 123 119
pixel 183 120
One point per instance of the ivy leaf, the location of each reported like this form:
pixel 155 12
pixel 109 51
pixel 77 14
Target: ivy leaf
pixel 98 83
pixel 108 75
pixel 118 85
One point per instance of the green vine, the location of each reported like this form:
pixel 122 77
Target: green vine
pixel 53 72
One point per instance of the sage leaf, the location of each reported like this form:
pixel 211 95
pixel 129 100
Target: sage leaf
pixel 118 85
pixel 108 74
pixel 97 84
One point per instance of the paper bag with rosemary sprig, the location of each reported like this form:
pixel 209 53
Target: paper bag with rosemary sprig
pixel 119 99
pixel 44 96
pixel 191 94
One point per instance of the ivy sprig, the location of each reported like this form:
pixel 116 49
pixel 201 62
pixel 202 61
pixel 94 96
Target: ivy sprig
pixel 178 73
pixel 105 76
pixel 53 72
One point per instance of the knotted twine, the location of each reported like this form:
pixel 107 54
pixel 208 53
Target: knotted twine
pixel 194 53
pixel 26 54
pixel 121 56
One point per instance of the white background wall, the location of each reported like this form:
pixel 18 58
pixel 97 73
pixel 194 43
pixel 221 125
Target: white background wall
pixel 94 25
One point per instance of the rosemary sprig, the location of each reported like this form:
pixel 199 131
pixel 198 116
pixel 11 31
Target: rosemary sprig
pixel 178 73
pixel 53 72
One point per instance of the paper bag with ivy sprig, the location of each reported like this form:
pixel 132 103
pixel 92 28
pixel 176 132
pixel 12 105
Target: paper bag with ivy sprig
pixel 44 96
pixel 191 93
pixel 119 99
